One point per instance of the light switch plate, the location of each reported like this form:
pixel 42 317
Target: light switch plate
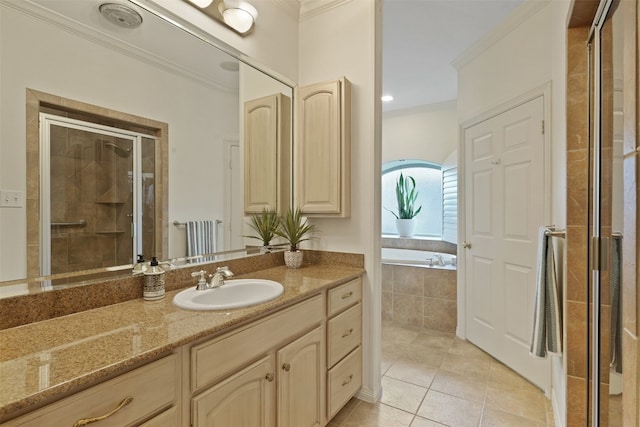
pixel 11 199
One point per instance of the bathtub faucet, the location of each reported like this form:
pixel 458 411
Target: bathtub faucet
pixel 439 258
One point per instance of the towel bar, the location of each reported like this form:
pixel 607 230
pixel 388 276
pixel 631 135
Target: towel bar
pixel 555 233
pixel 182 224
pixel 81 223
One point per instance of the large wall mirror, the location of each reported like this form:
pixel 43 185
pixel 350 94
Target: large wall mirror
pixel 154 108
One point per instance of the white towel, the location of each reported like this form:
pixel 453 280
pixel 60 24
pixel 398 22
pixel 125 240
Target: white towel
pixel 547 320
pixel 201 237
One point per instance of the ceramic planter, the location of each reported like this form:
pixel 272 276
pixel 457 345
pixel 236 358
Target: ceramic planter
pixel 293 259
pixel 405 227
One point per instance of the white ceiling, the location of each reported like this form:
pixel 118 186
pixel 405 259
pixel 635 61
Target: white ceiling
pixel 422 37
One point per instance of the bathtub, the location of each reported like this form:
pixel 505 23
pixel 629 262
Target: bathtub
pixel 419 258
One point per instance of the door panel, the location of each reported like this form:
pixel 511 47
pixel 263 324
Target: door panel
pixel 504 158
pixel 245 399
pixel 301 382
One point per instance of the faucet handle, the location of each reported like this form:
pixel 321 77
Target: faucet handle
pixel 225 271
pixel 202 281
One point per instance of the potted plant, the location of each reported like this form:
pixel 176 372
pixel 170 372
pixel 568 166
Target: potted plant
pixel 265 225
pixel 406 196
pixel 295 230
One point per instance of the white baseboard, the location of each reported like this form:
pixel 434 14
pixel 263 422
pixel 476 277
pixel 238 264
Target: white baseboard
pixel 368 396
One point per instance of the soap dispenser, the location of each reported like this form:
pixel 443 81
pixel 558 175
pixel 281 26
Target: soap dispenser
pixel 141 266
pixel 153 281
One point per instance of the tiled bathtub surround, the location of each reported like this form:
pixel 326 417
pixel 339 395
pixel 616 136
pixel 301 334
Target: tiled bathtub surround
pixel 419 296
pixel 420 244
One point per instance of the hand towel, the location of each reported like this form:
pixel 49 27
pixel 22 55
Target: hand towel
pixel 547 322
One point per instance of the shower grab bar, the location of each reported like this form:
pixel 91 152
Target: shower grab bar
pixel 80 223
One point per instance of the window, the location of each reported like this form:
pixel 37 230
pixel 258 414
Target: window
pixel 428 178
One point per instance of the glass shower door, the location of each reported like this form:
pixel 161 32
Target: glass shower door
pixel 607 221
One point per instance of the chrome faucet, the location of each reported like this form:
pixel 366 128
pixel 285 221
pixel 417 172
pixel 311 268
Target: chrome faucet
pixel 215 280
pixel 440 259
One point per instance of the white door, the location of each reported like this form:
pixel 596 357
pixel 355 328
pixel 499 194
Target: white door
pixel 504 206
pixel 234 208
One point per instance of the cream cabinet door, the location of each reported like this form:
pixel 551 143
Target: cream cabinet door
pixel 266 146
pixel 301 381
pixel 246 399
pixel 323 149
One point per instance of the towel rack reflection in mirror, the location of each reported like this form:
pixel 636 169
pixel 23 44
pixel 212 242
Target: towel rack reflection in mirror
pixel 80 223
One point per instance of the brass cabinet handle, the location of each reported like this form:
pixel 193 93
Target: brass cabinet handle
pixel 347 381
pixel 347 333
pixel 84 421
pixel 286 367
pixel 347 295
pixel 269 377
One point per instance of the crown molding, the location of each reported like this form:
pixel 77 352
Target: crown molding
pixel 513 21
pixel 427 108
pixel 291 7
pixel 310 8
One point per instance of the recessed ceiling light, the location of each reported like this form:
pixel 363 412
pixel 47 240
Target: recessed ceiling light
pixel 387 98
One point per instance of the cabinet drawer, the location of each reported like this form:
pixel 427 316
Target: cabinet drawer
pixel 343 381
pixel 152 387
pixel 343 296
pixel 213 359
pixel 344 334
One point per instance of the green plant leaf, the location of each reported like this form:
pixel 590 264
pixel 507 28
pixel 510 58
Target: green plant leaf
pixel 265 225
pixel 294 229
pixel 406 196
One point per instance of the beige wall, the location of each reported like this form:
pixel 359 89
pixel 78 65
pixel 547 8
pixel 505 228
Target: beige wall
pixel 426 133
pixel 343 41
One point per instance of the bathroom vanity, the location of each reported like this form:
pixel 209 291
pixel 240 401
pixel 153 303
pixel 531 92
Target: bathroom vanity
pixel 292 361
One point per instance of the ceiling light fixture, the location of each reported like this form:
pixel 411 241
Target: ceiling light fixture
pixel 202 3
pixel 387 98
pixel 238 14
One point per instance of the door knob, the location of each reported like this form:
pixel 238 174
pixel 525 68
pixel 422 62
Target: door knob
pixel 466 245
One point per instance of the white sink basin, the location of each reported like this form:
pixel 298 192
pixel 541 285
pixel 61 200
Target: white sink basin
pixel 234 293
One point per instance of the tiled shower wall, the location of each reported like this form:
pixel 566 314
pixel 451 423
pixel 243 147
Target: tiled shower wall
pixel 419 296
pixel 578 179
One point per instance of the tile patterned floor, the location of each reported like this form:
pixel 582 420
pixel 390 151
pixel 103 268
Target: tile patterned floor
pixel 431 379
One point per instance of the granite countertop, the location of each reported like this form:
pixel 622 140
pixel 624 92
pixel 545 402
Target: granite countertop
pixel 42 360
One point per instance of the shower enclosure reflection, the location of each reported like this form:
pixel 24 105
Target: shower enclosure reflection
pixel 97 195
